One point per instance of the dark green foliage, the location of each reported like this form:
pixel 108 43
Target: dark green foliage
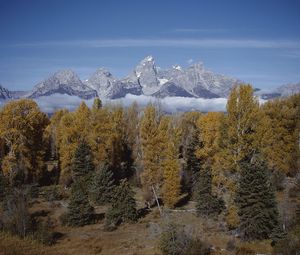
pixel 97 104
pixel 102 186
pixel 54 192
pixel 175 241
pixel 206 203
pixel 82 164
pixel 3 186
pixel 192 165
pixel 256 202
pixel 290 245
pixel 123 207
pixel 80 212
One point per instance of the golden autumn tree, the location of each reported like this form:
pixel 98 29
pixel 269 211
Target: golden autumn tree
pixel 152 175
pixel 51 134
pixel 22 125
pixel 209 136
pixel 100 134
pixel 241 126
pixel 72 128
pixel 171 166
pixel 280 134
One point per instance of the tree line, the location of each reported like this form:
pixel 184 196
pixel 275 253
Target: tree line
pixel 221 160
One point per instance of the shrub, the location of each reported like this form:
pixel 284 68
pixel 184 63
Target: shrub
pixel 16 219
pixel 230 246
pixel 244 250
pixel 54 192
pixel 175 241
pixel 43 234
pixel 290 245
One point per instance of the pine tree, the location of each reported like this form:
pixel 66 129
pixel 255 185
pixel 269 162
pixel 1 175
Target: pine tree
pixel 256 201
pixel 192 165
pixel 102 186
pixel 206 203
pixel 80 212
pixel 97 104
pixel 82 164
pixel 123 208
pixel 3 187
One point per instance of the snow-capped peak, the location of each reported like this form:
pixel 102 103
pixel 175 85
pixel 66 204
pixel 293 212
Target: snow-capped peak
pixel 177 67
pixel 149 58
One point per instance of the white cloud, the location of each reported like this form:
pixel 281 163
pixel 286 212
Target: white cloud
pixel 200 30
pixel 49 104
pixel 190 61
pixel 161 42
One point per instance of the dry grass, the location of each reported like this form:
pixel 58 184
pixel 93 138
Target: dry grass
pixel 128 239
pixel 11 245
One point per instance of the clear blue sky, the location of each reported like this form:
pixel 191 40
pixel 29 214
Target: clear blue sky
pixel 257 41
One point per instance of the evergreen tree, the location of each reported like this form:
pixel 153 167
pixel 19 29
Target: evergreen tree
pixel 80 212
pixel 123 208
pixel 82 164
pixel 256 201
pixel 192 162
pixel 3 187
pixel 102 186
pixel 206 203
pixel 97 104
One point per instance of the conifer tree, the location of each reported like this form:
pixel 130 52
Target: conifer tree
pixel 256 202
pixel 3 186
pixel 192 165
pixel 123 207
pixel 206 203
pixel 97 104
pixel 102 186
pixel 82 164
pixel 80 212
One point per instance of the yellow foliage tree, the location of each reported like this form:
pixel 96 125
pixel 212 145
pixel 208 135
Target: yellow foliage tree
pixel 72 128
pixel 22 125
pixel 280 134
pixel 171 170
pixel 209 136
pixel 241 124
pixel 150 141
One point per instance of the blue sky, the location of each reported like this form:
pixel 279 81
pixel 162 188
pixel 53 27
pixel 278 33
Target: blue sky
pixel 257 41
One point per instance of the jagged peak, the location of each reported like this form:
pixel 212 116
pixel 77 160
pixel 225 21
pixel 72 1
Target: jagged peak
pixel 102 71
pixel 147 60
pixel 198 65
pixel 177 67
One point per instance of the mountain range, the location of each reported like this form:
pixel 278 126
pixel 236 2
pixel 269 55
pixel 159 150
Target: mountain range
pixel 146 79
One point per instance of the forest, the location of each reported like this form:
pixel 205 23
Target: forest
pixel 114 180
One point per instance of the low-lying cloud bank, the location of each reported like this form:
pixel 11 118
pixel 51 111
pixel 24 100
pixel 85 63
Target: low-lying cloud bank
pixel 50 104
